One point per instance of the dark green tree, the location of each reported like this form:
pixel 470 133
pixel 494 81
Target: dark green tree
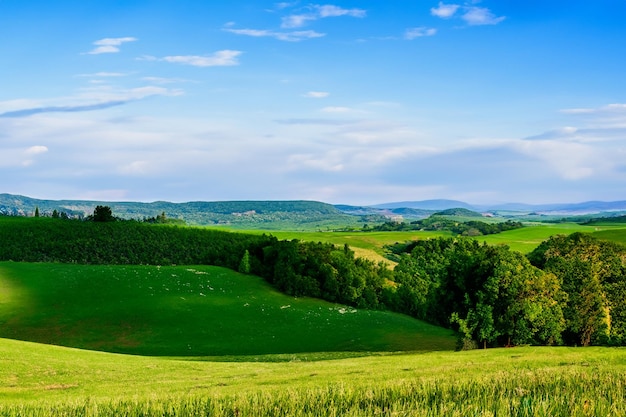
pixel 103 214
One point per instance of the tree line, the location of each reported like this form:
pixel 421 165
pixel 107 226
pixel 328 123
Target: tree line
pixel 441 223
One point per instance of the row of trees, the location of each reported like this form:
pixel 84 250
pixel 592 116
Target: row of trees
pixel 442 223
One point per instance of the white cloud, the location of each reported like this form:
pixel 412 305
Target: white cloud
pixel 337 109
pixel 95 98
pixel 609 108
pixel 477 16
pixel 109 45
pixel 295 36
pixel 316 94
pixel 444 10
pixel 163 80
pixel 335 11
pixel 35 150
pixel 296 20
pixel 218 59
pixel 472 15
pixel 285 5
pixel 320 12
pixel 104 74
pixel 419 32
pixel 20 157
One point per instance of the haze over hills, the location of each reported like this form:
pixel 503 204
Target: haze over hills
pixel 587 207
pixel 439 204
pixel 268 214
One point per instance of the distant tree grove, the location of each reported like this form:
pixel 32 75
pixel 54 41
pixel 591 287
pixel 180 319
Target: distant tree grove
pixel 570 290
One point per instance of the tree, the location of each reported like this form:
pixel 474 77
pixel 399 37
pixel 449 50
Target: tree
pixel 244 265
pixel 103 214
pixel 37 211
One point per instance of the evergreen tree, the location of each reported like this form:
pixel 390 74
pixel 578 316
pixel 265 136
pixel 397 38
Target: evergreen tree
pixel 244 265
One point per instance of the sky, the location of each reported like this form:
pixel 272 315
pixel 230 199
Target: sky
pixel 345 102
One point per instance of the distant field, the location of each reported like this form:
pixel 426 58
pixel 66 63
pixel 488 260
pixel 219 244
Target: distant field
pixel 615 235
pixel 370 245
pixel 48 380
pixel 190 311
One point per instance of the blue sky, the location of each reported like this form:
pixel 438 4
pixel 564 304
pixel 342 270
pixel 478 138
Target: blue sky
pixel 355 102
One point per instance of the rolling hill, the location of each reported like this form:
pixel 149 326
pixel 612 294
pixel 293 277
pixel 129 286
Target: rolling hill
pixel 244 214
pixel 190 311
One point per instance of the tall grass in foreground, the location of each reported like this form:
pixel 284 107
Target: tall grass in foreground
pixel 554 392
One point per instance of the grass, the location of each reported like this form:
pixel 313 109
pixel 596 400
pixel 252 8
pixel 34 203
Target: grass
pixel 190 311
pixel 370 245
pixel 617 235
pixel 209 341
pixel 48 380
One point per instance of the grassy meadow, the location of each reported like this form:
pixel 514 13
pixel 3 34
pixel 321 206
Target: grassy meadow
pixel 190 311
pixel 46 380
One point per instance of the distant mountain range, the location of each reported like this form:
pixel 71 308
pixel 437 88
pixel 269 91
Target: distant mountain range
pixel 588 207
pixel 313 214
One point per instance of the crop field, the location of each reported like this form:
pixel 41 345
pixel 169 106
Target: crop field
pixel 49 380
pixel 190 311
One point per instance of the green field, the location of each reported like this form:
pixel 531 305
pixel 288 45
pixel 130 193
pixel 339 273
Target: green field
pixel 190 311
pixel 371 245
pixel 206 340
pixel 47 380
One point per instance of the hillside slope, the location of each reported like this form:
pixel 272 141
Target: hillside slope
pixel 190 311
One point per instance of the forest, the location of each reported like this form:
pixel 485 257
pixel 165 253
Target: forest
pixel 569 290
pixel 438 222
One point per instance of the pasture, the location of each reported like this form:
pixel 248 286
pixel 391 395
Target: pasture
pixel 371 245
pixel 49 380
pixel 190 311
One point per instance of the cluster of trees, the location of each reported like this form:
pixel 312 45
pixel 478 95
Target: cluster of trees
pixel 571 289
pixel 324 271
pixel 592 274
pixel 442 223
pixel 491 295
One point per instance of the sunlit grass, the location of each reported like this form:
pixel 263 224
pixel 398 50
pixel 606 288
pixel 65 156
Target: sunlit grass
pixel 371 245
pixel 36 379
pixel 190 311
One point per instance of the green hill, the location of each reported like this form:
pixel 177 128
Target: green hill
pixel 190 311
pixel 459 212
pixel 268 215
